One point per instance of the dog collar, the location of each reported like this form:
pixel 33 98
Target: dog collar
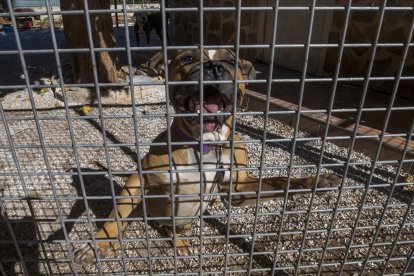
pixel 185 137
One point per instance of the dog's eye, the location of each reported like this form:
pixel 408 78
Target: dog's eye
pixel 188 59
pixel 232 62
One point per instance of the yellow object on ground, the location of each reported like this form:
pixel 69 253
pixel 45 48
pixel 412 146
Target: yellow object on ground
pixel 86 110
pixel 43 90
pixel 409 187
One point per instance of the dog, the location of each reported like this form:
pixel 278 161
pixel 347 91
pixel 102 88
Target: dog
pixel 218 65
pixel 148 22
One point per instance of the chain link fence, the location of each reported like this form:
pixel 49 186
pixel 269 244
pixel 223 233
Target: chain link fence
pixel 333 94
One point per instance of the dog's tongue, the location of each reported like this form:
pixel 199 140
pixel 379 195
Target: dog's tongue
pixel 210 105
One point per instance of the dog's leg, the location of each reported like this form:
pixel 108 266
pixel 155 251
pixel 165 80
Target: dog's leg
pixel 147 30
pixel 183 246
pixel 109 230
pixel 136 31
pixel 277 184
pixel 158 31
pixel 148 36
pixel 168 38
pixel 244 182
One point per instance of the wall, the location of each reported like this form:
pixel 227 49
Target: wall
pixel 293 28
pixel 256 28
pixel 219 26
pixel 361 29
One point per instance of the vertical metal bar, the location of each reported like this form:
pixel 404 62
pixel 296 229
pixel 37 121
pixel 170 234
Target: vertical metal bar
pixel 233 128
pixel 13 237
pixel 74 147
pixel 358 120
pixel 409 206
pixel 2 271
pixel 328 119
pixel 296 130
pixel 387 117
pixel 71 134
pixel 21 177
pixel 102 123
pixel 137 132
pixel 408 264
pixel 39 132
pixel 201 118
pixel 266 120
pixel 168 115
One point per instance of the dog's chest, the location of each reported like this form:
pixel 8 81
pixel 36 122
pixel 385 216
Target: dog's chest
pixel 192 179
pixel 207 173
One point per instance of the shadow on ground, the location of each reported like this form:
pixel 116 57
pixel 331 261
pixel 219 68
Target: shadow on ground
pixel 23 232
pixel 94 185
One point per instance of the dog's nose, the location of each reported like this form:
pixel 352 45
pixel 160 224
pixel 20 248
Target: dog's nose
pixel 215 67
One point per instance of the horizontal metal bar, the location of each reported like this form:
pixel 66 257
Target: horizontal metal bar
pixel 160 83
pixel 217 143
pixel 278 167
pixel 162 115
pixel 231 215
pixel 242 46
pixel 126 172
pixel 242 254
pixel 165 258
pixel 216 9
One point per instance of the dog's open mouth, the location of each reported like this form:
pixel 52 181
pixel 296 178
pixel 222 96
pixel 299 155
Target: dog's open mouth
pixel 213 104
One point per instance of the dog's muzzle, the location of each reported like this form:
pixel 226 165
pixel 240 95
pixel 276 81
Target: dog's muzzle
pixel 217 97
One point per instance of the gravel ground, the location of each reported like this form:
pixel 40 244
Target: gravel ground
pixel 32 196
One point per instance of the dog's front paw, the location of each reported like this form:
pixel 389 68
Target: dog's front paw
pixel 183 248
pixel 85 254
pixel 328 180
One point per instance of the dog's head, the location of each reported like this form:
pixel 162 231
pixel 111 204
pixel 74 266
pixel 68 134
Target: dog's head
pixel 141 18
pixel 219 69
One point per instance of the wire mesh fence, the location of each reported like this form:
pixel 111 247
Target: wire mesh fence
pixel 333 94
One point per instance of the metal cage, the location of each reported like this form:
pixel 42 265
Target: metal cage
pixel 62 166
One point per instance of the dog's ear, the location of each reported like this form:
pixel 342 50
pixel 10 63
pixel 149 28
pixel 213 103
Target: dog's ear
pixel 249 73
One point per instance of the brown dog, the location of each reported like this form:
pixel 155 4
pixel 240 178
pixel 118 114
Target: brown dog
pixel 218 65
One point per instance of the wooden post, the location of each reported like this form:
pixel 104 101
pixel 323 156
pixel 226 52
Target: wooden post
pixel 77 37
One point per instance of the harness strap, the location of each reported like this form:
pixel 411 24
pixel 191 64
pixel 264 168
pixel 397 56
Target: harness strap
pixel 185 137
pixel 219 176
